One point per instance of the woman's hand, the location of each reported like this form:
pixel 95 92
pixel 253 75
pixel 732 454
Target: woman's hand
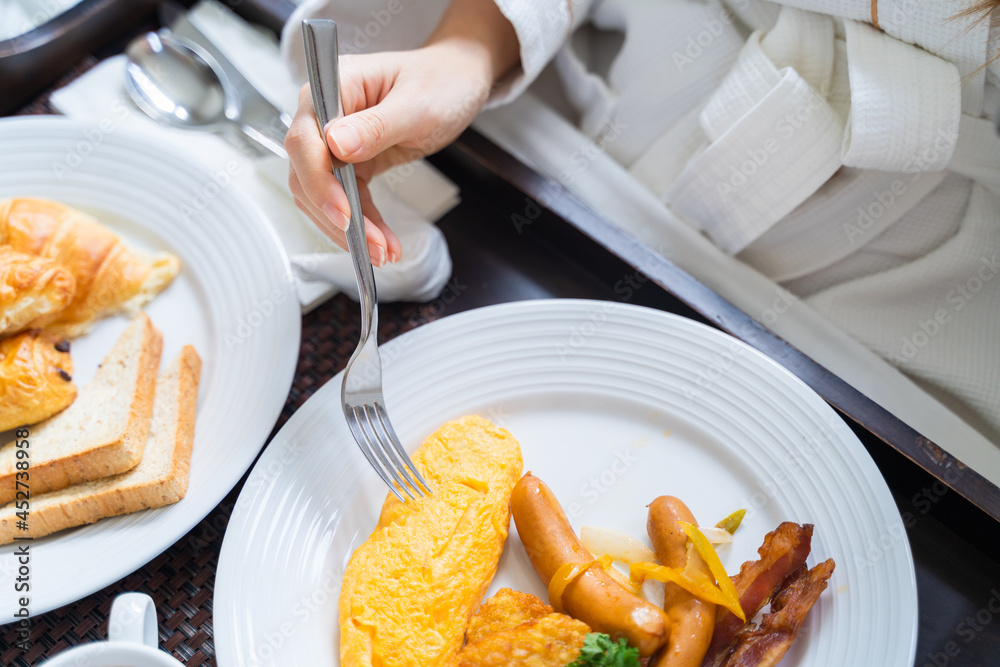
pixel 398 106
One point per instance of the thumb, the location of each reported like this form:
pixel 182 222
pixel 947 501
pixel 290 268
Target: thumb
pixel 364 134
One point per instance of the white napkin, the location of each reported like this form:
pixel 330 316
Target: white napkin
pixel 412 194
pixel 18 17
pixel 419 275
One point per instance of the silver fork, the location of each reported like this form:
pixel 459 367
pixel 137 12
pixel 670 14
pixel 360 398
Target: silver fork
pixel 361 393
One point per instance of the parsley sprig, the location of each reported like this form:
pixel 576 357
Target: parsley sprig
pixel 599 651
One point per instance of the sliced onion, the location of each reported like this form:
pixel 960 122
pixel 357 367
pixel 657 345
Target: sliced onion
pixel 716 535
pixel 620 546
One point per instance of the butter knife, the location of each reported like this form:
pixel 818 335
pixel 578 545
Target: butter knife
pixel 263 121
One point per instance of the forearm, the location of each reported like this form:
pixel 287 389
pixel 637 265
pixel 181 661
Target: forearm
pixel 482 32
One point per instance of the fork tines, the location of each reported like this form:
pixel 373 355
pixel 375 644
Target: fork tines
pixel 373 431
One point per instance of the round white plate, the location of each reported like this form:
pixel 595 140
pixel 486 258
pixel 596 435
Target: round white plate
pixel 613 405
pixel 234 300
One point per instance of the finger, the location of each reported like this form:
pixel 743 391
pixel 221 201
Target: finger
pixel 310 162
pixel 317 192
pixel 311 170
pixel 362 135
pixel 333 215
pixel 331 232
pixel 365 171
pixel 394 157
pixel 377 244
pixel 376 249
pixel 394 248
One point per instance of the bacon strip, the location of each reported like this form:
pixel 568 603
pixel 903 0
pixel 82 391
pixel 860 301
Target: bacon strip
pixel 782 555
pixel 764 646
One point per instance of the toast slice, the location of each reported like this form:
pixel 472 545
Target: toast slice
pixel 159 479
pixel 103 431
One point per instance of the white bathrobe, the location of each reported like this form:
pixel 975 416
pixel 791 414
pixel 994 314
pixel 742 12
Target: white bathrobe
pixel 858 167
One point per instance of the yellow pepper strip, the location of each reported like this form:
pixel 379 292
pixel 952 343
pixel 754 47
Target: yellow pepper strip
pixel 622 580
pixel 567 572
pixel 732 522
pixel 604 561
pixel 707 553
pixel 700 587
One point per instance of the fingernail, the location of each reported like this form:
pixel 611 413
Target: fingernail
pixel 341 221
pixel 377 254
pixel 346 138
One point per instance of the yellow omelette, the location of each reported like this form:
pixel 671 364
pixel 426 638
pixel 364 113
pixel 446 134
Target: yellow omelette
pixel 409 590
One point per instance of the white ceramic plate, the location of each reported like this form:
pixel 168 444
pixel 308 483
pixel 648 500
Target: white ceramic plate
pixel 234 300
pixel 613 405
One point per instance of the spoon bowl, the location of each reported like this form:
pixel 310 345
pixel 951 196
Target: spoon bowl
pixel 174 84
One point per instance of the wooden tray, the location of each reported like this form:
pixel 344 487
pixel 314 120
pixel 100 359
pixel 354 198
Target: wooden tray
pixel 31 62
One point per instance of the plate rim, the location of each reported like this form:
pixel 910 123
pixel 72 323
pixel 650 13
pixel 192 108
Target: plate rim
pixel 225 632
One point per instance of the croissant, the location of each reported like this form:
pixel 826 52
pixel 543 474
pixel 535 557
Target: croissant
pixel 35 377
pixel 32 289
pixel 110 277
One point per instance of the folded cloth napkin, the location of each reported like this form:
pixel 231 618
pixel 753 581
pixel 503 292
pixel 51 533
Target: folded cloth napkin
pixel 419 275
pixel 409 197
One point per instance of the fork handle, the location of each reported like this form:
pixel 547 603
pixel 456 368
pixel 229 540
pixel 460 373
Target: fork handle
pixel 320 39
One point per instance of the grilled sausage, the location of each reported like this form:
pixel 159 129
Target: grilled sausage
pixel 593 597
pixel 692 621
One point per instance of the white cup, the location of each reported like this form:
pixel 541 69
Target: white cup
pixel 132 639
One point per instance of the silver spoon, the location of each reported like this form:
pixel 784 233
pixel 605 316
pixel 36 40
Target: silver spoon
pixel 178 85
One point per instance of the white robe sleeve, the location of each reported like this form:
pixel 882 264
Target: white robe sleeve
pixel 542 26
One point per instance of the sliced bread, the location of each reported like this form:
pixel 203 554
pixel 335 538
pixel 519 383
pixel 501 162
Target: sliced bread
pixel 103 431
pixel 159 479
